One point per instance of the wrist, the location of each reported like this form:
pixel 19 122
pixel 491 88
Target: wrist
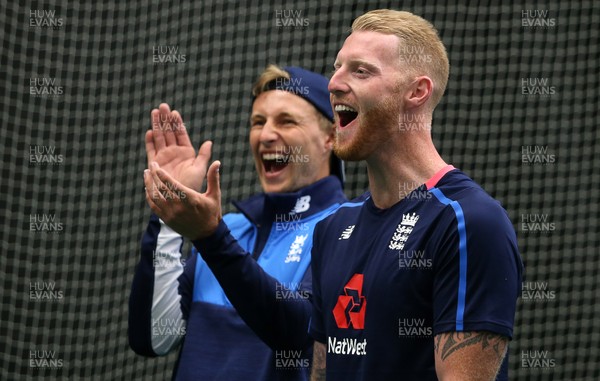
pixel 213 246
pixel 208 230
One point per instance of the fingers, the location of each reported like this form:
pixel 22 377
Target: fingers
pixel 153 196
pixel 150 149
pixel 168 123
pixel 157 130
pixel 181 134
pixel 204 154
pixel 168 128
pixel 169 188
pixel 213 178
pixel 189 213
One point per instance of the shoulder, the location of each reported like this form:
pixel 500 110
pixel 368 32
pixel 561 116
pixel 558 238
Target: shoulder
pixel 478 227
pixel 338 224
pixel 345 212
pixel 472 205
pixel 484 214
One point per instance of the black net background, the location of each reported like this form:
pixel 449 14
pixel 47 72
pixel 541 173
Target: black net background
pixel 101 60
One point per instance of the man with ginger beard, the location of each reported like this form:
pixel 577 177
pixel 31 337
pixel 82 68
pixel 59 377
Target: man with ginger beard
pixel 418 278
pixel 241 303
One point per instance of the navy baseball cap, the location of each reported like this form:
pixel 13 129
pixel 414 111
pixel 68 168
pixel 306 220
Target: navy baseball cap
pixel 313 88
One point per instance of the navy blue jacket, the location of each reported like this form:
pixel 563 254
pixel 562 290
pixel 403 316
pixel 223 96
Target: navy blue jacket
pixel 240 303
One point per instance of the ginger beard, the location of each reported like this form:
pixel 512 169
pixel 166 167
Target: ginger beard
pixel 374 126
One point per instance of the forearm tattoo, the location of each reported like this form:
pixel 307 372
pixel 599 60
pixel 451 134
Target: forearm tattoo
pixel 319 363
pixel 448 343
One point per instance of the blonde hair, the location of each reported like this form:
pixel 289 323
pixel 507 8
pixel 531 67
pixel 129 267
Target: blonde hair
pixel 273 72
pixel 416 35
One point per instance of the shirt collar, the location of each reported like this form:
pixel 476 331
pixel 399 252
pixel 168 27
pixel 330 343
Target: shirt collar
pixel 302 203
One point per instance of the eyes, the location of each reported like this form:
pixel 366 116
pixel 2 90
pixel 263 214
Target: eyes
pixel 358 70
pixel 286 121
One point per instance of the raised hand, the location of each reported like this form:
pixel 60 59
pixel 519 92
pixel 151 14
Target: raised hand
pixel 169 145
pixel 192 214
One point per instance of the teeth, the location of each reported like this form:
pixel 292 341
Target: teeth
pixel 339 108
pixel 273 156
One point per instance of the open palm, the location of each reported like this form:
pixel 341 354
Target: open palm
pixel 168 144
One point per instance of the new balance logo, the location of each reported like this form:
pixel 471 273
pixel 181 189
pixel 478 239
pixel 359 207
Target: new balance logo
pixel 347 232
pixel 351 307
pixel 302 204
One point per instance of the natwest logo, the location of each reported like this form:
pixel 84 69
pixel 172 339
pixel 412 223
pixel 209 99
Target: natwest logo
pixel 350 307
pixel 346 346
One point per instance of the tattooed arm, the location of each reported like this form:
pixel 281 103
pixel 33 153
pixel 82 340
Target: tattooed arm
pixel 469 356
pixel 318 365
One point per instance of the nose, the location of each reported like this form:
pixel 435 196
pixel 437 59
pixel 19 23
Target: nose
pixel 337 84
pixel 268 133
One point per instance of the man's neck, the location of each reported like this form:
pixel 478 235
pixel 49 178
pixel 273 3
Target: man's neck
pixel 401 165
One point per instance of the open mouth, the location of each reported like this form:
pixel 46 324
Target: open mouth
pixel 346 114
pixel 274 162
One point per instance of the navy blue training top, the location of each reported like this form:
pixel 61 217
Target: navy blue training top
pixel 239 305
pixel 385 282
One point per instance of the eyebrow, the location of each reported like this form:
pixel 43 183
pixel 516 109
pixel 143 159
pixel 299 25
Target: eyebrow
pixel 358 61
pixel 284 114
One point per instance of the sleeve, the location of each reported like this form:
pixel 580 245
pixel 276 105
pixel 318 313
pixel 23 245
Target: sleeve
pixel 478 270
pixel 279 322
pixel 160 293
pixel 316 329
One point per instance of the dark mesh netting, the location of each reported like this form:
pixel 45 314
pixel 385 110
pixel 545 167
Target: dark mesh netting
pixel 79 80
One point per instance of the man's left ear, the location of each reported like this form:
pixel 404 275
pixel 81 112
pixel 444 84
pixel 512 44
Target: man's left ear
pixel 419 92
